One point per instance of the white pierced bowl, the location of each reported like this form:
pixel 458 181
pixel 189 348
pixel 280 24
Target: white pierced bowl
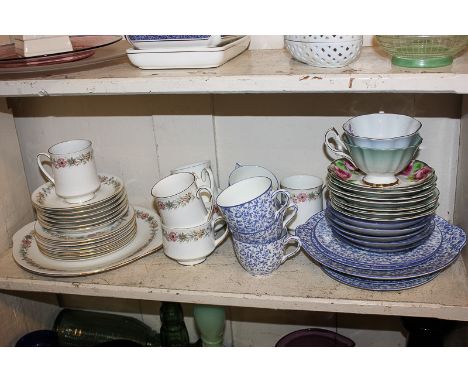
pixel 325 54
pixel 322 37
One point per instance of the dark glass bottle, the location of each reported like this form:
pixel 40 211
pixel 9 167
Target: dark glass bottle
pixel 173 329
pixel 85 328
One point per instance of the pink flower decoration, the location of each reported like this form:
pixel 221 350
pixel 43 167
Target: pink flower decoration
pixel 408 169
pixel 60 163
pixel 349 166
pixel 302 197
pixel 342 174
pixel 144 215
pixel 422 173
pixel 172 236
pixel 26 242
pixel 161 206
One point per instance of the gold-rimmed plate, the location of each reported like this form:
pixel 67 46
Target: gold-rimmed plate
pixel 80 244
pixel 46 198
pixel 382 217
pixel 148 240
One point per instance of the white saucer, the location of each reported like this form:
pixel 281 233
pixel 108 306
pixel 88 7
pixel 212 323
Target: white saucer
pixel 148 239
pixel 44 197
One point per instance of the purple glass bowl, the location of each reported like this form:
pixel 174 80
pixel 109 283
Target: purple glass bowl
pixel 314 338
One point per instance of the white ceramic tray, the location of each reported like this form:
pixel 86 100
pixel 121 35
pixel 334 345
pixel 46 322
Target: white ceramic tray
pixel 188 58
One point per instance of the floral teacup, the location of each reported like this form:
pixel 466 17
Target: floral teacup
pixel 190 246
pixel 74 170
pixel 178 201
pixel 306 192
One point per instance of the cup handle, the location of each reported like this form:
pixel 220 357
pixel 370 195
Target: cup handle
pixel 210 212
pixel 332 133
pixel 286 200
pixel 295 251
pixel 42 168
pixel 206 172
pixel 220 239
pixel 292 216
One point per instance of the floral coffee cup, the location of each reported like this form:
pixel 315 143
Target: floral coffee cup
pixel 250 205
pixel 190 246
pixel 306 191
pixel 263 259
pixel 179 202
pixel 74 170
pixel 203 176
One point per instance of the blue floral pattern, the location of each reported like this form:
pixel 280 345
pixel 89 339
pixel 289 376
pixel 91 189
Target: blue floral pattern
pixel 262 259
pixel 379 285
pixel 253 216
pixel 445 244
pixel 166 37
pixel 273 232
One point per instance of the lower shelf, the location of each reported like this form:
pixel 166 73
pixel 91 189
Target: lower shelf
pixel 299 284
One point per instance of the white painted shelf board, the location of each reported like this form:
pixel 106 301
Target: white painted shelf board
pixel 254 71
pixel 299 284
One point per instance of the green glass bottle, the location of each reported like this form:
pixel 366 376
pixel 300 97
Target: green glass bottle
pixel 173 329
pixel 85 328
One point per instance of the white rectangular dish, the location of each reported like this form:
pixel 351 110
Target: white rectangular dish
pixel 188 58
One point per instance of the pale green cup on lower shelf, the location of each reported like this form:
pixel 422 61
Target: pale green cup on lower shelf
pixel 210 322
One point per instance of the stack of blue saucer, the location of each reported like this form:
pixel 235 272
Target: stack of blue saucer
pixel 380 270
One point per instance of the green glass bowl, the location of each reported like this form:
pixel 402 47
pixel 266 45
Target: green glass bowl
pixel 422 51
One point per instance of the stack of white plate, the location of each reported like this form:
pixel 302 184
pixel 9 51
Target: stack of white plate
pixel 94 228
pixel 184 51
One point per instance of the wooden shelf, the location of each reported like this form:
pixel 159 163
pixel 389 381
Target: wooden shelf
pixel 299 284
pixel 254 71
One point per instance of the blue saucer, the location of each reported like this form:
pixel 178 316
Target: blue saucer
pixel 378 233
pixel 435 254
pixel 386 247
pixel 380 239
pixel 379 285
pixel 396 224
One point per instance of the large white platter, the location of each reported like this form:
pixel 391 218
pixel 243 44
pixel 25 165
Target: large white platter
pixel 148 239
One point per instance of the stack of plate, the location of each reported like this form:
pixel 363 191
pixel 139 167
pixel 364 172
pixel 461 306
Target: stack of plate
pixel 381 238
pixel 184 51
pixel 94 228
pixel 394 218
pixel 374 270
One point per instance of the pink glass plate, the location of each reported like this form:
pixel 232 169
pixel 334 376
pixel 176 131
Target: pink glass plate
pixel 83 47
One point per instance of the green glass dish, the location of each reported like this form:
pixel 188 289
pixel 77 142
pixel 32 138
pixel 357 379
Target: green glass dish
pixel 422 51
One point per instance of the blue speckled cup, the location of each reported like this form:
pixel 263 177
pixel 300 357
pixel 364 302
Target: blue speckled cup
pixel 263 259
pixel 250 205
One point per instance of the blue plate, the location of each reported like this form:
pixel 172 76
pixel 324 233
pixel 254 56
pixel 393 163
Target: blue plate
pixel 377 231
pixel 435 254
pixel 386 248
pixel 378 238
pixel 365 223
pixel 379 285
pixel 397 245
pixel 370 259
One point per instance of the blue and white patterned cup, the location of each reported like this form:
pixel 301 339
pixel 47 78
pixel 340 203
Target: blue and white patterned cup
pixel 263 259
pixel 250 205
pixel 273 232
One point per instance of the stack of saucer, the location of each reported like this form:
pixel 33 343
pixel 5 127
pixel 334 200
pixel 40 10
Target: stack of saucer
pixel 90 229
pixel 394 218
